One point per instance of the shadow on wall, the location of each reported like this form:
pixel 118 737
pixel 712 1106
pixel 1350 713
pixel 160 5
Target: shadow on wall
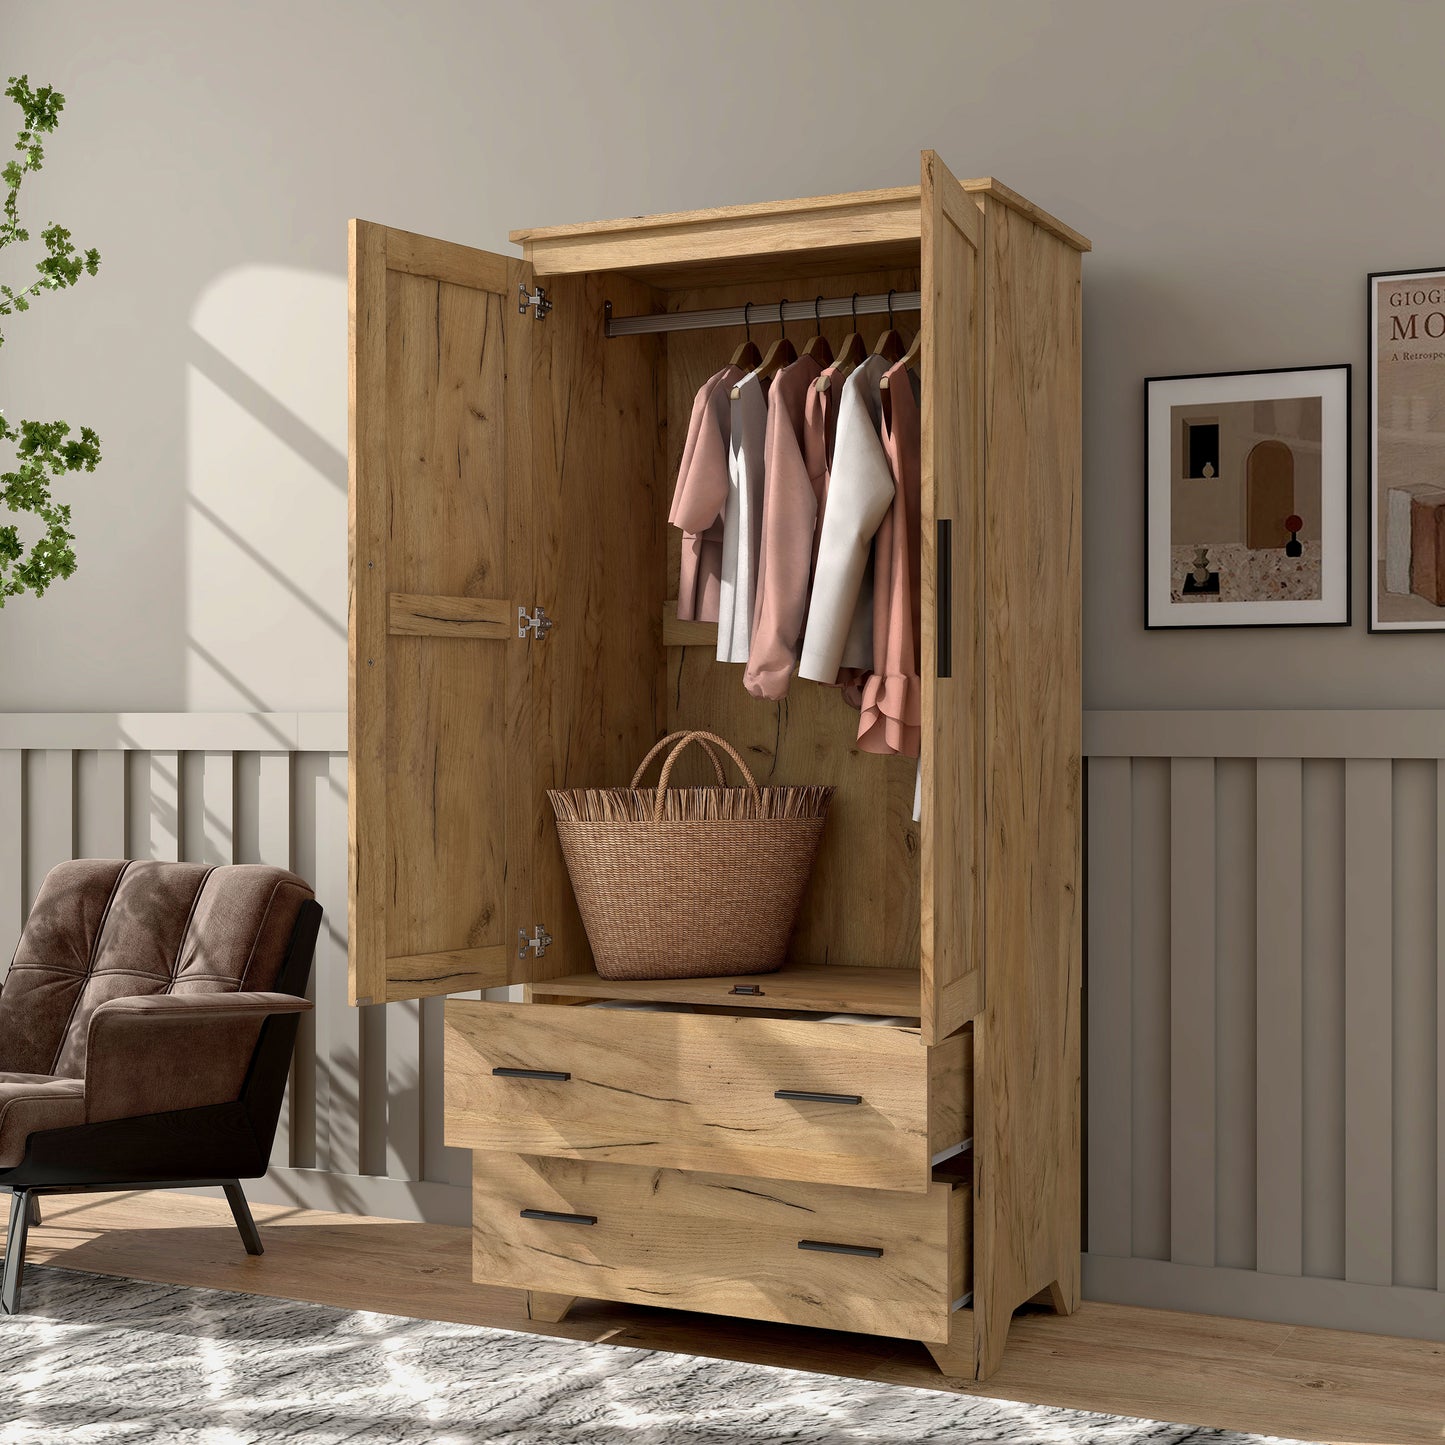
pixel 266 491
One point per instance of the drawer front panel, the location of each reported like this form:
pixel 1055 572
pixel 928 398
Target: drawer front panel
pixel 806 1254
pixel 772 1098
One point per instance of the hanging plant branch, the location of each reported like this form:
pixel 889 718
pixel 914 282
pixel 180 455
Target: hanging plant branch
pixel 43 450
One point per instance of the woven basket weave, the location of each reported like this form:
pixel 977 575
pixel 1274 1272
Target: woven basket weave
pixel 689 882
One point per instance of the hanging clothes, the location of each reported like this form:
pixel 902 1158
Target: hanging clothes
pixel 839 630
pixel 789 525
pixel 743 521
pixel 820 431
pixel 699 501
pixel 893 695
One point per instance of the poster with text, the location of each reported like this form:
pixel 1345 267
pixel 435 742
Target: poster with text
pixel 1407 451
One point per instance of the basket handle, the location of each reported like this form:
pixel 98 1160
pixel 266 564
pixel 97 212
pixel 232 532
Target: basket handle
pixel 703 739
pixel 672 738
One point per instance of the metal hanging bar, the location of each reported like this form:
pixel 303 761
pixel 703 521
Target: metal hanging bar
pixel 737 315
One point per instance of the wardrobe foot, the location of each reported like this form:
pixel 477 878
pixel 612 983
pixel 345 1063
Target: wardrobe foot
pixel 956 1357
pixel 549 1308
pixel 1061 1298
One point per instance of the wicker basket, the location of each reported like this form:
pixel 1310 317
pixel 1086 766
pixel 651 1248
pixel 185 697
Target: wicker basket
pixel 690 882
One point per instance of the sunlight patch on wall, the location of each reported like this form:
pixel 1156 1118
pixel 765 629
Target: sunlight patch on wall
pixel 266 492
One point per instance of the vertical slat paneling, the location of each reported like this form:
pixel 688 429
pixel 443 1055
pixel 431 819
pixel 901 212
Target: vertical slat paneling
pixel 1369 1020
pixel 338 1029
pixel 1279 1053
pixel 165 806
pixel 273 846
pixel 218 808
pixel 1323 931
pixel 1413 1107
pixel 103 808
pixel 1439 1028
pixel 52 815
pixel 1149 1141
pixel 13 901
pixel 1234 1013
pixel 308 1076
pixel 1191 1007
pixel 1108 990
pixel 403 1089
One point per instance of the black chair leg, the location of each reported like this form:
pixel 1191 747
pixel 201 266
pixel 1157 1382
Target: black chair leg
pixel 15 1252
pixel 242 1211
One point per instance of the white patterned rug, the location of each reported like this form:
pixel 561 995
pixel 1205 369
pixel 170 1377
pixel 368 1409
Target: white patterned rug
pixel 96 1359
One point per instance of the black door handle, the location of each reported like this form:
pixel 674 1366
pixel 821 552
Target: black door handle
pixel 556 1216
pixel 868 1251
pixel 943 571
pixel 809 1097
pixel 560 1077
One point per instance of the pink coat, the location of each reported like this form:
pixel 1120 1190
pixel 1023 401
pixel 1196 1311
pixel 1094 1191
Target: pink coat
pixel 892 696
pixel 701 496
pixel 785 556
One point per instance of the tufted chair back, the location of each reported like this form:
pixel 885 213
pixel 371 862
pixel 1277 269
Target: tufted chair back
pixel 104 929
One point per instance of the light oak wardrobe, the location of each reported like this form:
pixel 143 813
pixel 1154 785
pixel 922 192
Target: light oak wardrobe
pixel 513 629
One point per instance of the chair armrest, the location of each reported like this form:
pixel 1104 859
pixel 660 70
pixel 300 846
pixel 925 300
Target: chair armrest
pixel 157 1052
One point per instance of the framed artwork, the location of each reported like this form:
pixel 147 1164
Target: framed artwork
pixel 1407 451
pixel 1247 499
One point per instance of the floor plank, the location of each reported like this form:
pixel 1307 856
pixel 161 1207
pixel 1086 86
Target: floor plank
pixel 1237 1374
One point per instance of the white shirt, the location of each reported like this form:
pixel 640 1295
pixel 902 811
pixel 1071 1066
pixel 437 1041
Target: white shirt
pixel 743 520
pixel 839 630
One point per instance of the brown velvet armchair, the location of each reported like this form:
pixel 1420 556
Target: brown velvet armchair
pixel 146 1032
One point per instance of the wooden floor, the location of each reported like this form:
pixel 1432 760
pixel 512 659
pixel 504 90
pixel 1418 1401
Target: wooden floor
pixel 1270 1379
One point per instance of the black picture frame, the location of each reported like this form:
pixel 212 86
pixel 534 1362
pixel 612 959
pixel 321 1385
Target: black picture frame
pixel 1346 521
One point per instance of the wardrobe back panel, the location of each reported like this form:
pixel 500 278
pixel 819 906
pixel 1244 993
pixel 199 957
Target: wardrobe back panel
pixel 600 512
pixel 863 904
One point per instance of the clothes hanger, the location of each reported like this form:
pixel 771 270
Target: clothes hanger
pixel 747 355
pixel 909 357
pixel 890 344
pixel 818 348
pixel 780 353
pixel 850 354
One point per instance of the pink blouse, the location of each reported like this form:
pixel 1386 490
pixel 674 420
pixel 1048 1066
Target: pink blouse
pixel 701 496
pixel 892 696
pixel 785 553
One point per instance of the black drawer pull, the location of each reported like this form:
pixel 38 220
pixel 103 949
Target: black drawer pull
pixel 823 1247
pixel 555 1216
pixel 748 988
pixel 809 1097
pixel 560 1077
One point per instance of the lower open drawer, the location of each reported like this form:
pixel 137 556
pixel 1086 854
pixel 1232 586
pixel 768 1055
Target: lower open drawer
pixel 876 1261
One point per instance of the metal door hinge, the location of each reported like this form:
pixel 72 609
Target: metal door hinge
pixel 537 300
pixel 536 945
pixel 537 626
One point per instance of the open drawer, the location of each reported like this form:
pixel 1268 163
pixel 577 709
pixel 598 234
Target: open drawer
pixel 806 1254
pixel 774 1098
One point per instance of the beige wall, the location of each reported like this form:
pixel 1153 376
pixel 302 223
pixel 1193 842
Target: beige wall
pixel 213 152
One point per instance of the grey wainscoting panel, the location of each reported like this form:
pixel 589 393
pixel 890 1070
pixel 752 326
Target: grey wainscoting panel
pixel 1266 1126
pixel 246 787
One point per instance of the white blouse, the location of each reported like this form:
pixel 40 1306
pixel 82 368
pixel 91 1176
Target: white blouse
pixel 743 521
pixel 839 630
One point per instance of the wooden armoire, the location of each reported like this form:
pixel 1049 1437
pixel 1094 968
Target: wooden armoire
pixel 883 1136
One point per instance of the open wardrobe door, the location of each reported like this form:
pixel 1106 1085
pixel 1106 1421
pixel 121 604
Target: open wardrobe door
pixel 952 612
pixel 440 568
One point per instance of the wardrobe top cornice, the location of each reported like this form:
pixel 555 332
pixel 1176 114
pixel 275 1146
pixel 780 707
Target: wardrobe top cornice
pixel 874 220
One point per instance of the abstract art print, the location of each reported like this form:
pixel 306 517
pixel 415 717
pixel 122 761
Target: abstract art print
pixel 1407 451
pixel 1247 517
